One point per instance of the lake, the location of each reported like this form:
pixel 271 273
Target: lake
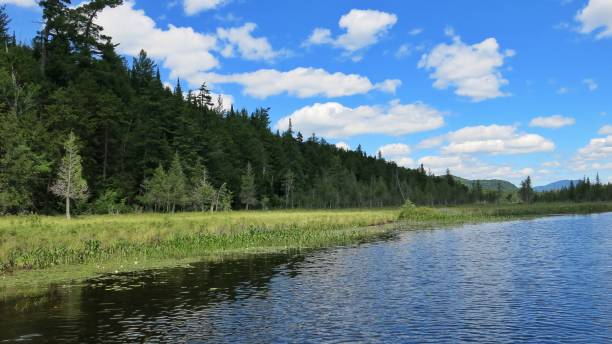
pixel 536 281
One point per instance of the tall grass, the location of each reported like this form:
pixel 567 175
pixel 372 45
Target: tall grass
pixel 35 242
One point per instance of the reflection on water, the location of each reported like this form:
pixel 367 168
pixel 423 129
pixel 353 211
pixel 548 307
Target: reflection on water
pixel 546 280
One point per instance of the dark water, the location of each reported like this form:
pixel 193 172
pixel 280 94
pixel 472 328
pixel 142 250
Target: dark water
pixel 541 281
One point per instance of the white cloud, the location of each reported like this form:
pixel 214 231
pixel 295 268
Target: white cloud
pixel 249 47
pixel 394 150
pixel 553 122
pixel 403 51
pixel 301 82
pixel 432 142
pixel 605 130
pixel 494 139
pixel 336 120
pixel 472 168
pixel 598 148
pixel 596 17
pixel 551 164
pixel 398 153
pixel 590 84
pixel 226 100
pixel 20 3
pixel 192 7
pixel 363 28
pixel 343 145
pixel 472 69
pixel 415 31
pixel 389 85
pixel 184 51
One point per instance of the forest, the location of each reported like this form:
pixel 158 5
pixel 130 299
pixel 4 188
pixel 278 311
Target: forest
pixel 71 104
pixel 142 146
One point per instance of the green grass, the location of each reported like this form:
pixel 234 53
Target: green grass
pixel 36 251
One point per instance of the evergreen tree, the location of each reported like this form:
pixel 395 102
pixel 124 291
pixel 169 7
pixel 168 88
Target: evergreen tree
pixel 203 194
pixel 157 190
pixel 4 27
pixel 247 188
pixel 70 183
pixel 526 191
pixel 177 183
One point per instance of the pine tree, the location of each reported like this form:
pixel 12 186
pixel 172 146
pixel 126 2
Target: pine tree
pixel 526 191
pixel 247 188
pixel 177 183
pixel 70 183
pixel 156 190
pixel 203 193
pixel 4 26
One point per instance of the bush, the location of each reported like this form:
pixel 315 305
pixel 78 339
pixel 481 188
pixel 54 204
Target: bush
pixel 109 203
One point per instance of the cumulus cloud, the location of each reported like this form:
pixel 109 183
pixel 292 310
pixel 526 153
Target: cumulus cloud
pixel 596 17
pixel 398 153
pixel 343 145
pixel 20 3
pixel 192 7
pixel 301 82
pixel 249 47
pixel 363 29
pixel 605 130
pixel 552 122
pixel 472 168
pixel 181 49
pixel 598 148
pixel 473 70
pixel 335 120
pixel 492 139
pixel 551 164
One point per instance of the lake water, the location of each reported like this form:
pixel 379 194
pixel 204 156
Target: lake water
pixel 537 281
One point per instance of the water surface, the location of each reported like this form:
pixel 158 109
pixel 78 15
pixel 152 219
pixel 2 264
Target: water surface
pixel 537 281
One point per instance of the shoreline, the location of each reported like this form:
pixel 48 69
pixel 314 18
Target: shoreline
pixel 250 235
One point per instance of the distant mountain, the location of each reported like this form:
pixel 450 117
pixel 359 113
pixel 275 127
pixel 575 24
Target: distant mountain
pixel 558 185
pixel 489 184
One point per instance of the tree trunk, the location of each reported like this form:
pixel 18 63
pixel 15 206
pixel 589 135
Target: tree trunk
pixel 68 208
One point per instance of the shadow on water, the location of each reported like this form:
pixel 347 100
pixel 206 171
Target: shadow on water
pixel 140 306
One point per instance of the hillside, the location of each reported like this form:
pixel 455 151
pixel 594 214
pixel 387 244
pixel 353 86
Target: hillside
pixel 556 186
pixel 489 184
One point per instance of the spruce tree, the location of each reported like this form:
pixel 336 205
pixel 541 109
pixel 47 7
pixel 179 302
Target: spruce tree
pixel 70 183
pixel 203 193
pixel 526 191
pixel 177 183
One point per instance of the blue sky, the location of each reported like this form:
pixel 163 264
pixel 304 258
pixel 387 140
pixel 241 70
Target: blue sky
pixel 489 89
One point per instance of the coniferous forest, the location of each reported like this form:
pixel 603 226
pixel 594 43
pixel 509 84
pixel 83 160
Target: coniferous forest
pixel 143 146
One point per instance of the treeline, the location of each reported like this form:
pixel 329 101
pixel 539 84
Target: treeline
pixel 144 146
pixel 582 191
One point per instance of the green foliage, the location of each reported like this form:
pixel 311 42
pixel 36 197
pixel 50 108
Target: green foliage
pixel 109 203
pixel 526 193
pixel 203 194
pixel 247 188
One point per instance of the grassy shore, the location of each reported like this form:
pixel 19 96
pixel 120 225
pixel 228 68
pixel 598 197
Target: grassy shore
pixel 36 251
